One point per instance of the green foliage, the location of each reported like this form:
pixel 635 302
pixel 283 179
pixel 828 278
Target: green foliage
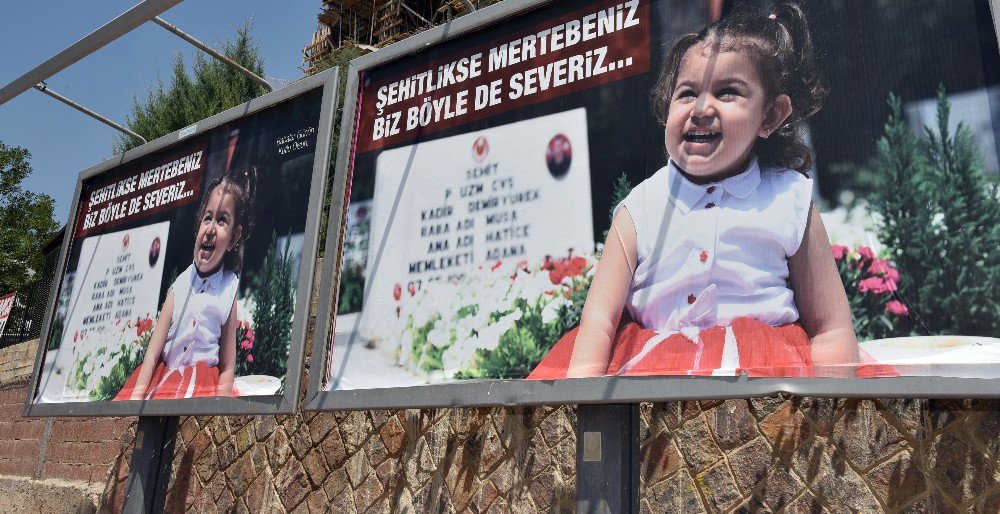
pixel 274 293
pixel 127 359
pixel 940 217
pixel 212 88
pixel 621 189
pixel 352 289
pixel 26 221
pixel 524 346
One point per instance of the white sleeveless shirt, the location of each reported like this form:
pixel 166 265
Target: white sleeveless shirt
pixel 708 254
pixel 201 307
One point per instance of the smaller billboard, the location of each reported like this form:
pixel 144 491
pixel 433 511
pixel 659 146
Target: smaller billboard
pixel 6 305
pixel 184 282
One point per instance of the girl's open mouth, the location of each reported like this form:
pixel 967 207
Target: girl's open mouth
pixel 701 136
pixel 207 249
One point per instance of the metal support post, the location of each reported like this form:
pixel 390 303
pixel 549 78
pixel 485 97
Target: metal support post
pixel 45 89
pixel 214 53
pixel 607 458
pixel 149 469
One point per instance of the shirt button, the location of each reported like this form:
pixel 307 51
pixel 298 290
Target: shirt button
pixel 202 291
pixel 704 256
pixel 709 205
pixel 711 189
pixel 691 299
pixel 185 348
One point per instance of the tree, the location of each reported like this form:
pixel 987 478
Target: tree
pixel 26 221
pixel 940 217
pixel 212 88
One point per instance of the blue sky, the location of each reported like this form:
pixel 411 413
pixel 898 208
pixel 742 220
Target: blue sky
pixel 64 142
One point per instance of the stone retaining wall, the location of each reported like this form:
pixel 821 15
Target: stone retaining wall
pixel 784 454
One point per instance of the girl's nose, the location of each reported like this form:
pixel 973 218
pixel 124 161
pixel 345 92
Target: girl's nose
pixel 704 107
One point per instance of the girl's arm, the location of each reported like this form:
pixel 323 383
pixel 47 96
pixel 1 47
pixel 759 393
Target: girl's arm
pixel 155 348
pixel 605 301
pixel 227 354
pixel 822 303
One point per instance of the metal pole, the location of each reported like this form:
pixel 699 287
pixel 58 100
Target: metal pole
pixel 211 51
pixel 607 458
pixel 45 89
pixel 149 469
pixel 107 33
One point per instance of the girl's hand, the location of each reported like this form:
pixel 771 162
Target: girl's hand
pixel 605 301
pixel 823 307
pixel 155 348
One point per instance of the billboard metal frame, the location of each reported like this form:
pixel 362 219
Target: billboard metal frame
pixel 596 390
pixel 285 403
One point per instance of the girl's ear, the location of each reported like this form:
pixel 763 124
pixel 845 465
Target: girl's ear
pixel 781 109
pixel 238 237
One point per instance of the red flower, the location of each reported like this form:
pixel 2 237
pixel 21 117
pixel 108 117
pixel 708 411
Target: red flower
pixel 896 307
pixel 839 252
pixel 882 268
pixel 250 357
pixel 413 289
pixel 143 326
pixel 877 285
pixel 397 292
pixel 496 265
pixel 866 252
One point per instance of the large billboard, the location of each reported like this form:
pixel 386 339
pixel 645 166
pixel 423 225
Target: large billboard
pixel 601 200
pixel 186 271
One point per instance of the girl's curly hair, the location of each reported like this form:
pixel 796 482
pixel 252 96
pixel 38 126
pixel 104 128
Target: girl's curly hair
pixel 783 51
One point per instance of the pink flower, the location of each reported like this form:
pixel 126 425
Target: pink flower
pixel 246 345
pixel 882 268
pixel 397 292
pixel 877 285
pixel 866 252
pixel 250 357
pixel 839 252
pixel 896 307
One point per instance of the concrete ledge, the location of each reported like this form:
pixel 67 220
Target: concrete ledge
pixel 22 494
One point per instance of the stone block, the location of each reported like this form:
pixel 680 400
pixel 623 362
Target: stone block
pixel 865 436
pixel 732 423
pixel 897 481
pixel 292 483
pixel 696 445
pixel 393 436
pixel 786 429
pixel 658 458
pixel 962 470
pixel 719 488
pixel 752 464
pixel 808 504
pixel 677 494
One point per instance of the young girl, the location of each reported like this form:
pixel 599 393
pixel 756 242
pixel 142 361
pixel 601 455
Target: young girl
pixel 193 353
pixel 719 259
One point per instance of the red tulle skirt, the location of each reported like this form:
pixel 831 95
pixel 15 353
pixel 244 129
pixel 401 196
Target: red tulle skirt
pixel 167 383
pixel 764 351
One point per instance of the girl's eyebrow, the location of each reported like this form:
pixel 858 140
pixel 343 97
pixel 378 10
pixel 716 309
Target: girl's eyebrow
pixel 734 80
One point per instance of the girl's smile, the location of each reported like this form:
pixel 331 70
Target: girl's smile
pixel 216 234
pixel 718 110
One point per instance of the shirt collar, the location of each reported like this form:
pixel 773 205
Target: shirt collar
pixel 687 194
pixel 209 283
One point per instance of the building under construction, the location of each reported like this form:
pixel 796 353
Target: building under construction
pixel 371 24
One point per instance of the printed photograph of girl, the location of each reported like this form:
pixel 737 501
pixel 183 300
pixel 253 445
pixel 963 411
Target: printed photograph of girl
pixel 720 259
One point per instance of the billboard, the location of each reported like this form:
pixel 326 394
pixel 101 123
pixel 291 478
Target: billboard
pixel 186 271
pixel 601 201
pixel 6 305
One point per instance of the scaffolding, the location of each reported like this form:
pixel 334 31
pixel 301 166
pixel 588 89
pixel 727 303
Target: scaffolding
pixel 371 24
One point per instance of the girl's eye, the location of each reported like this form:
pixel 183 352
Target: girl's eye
pixel 729 93
pixel 684 94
